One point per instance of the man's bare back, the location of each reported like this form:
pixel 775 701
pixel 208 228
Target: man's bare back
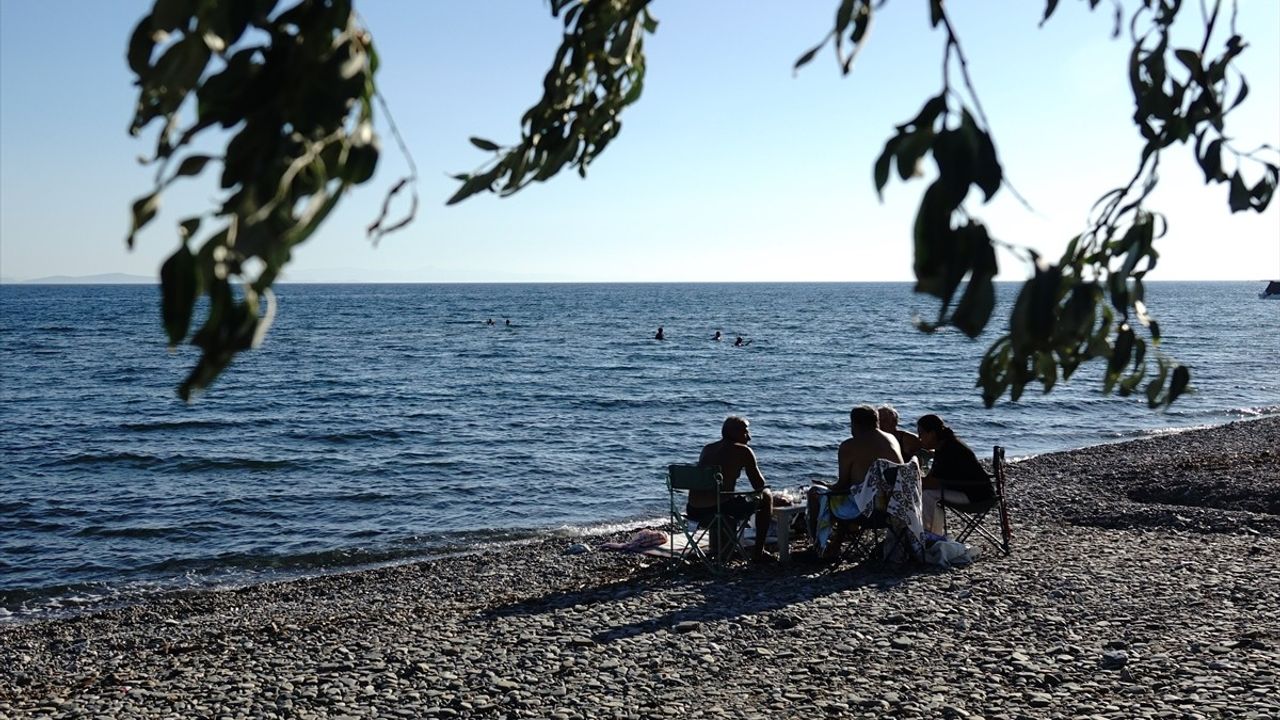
pixel 733 458
pixel 860 451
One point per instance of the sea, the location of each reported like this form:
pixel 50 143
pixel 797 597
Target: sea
pixel 386 423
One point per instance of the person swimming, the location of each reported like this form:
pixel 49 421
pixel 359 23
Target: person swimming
pixel 740 342
pixel 659 335
pixel 716 337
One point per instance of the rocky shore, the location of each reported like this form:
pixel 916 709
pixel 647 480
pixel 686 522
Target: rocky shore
pixel 1143 584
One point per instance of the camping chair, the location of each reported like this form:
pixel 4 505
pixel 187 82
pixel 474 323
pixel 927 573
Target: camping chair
pixel 972 517
pixel 720 532
pixel 872 539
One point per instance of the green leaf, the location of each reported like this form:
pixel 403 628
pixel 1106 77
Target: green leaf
pixel 1122 350
pixel 141 45
pixel 192 165
pixel 806 58
pixel 843 15
pixel 973 312
pixel 1191 59
pixel 933 236
pixel 179 288
pixel 1048 10
pixel 1239 198
pixel 913 148
pixel 485 144
pixel 1244 93
pixel 1179 384
pixel 884 162
pixel 988 175
pixel 144 210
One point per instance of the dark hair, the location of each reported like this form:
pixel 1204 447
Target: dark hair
pixel 732 424
pixel 864 417
pixel 934 424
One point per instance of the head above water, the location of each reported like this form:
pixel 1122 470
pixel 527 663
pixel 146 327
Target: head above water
pixel 735 428
pixel 888 415
pixel 864 418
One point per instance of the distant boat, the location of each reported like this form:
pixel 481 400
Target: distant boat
pixel 1272 291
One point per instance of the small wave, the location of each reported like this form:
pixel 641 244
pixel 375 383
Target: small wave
pixel 111 458
pixel 173 425
pixel 352 437
pixel 131 532
pixel 240 463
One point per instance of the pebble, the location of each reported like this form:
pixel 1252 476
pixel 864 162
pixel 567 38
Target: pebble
pixel 1135 590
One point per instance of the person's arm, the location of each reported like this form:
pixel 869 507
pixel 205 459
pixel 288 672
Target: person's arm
pixel 753 470
pixel 844 471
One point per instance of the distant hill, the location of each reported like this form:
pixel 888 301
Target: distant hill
pixel 103 279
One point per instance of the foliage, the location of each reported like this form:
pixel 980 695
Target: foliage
pixel 305 134
pixel 294 89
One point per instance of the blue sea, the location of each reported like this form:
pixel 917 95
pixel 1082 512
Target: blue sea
pixel 381 423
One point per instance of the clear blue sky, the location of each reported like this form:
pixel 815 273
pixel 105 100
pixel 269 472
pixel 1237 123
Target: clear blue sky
pixel 729 168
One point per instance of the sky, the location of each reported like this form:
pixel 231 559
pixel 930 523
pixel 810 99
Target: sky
pixel 731 167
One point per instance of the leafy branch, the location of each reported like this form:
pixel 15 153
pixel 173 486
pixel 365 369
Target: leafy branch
pixel 295 90
pixel 1059 320
pixel 597 71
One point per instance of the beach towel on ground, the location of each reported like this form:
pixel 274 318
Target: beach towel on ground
pixel 638 542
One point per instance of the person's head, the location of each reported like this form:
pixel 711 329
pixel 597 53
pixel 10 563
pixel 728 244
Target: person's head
pixel 863 418
pixel 736 429
pixel 888 415
pixel 932 431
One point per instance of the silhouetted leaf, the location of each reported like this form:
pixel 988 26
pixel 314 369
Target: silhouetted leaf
pixel 144 210
pixel 179 288
pixel 1049 7
pixel 485 144
pixel 1239 199
pixel 192 165
pixel 806 58
pixel 1179 383
pixel 883 164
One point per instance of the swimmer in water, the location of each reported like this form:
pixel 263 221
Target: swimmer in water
pixel 717 336
pixel 659 335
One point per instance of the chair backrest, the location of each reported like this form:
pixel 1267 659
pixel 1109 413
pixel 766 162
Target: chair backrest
pixel 997 469
pixel 694 477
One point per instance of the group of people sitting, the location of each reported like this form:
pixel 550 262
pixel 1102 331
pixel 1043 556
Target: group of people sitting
pixel 955 474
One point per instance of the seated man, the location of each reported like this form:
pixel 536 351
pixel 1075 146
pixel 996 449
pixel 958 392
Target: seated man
pixel 908 441
pixel 733 454
pixel 866 444
pixel 956 476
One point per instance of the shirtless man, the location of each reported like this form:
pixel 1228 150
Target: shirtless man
pixel 734 455
pixel 866 444
pixel 908 441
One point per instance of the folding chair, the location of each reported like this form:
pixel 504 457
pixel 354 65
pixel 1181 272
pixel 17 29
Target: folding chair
pixel 972 516
pixel 720 532
pixel 874 539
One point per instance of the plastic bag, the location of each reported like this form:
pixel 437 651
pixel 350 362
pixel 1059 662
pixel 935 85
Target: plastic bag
pixel 948 553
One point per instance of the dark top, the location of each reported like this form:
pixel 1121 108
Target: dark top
pixel 957 468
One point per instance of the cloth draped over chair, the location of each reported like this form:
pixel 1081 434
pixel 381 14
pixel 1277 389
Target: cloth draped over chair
pixel 887 485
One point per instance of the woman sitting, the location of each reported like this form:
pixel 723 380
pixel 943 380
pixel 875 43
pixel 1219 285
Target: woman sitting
pixel 956 476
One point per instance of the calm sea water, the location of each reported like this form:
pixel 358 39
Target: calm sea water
pixel 382 422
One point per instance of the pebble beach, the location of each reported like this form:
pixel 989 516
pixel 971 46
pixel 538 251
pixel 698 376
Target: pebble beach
pixel 1143 584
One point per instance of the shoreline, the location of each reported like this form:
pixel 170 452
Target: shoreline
pixel 1142 584
pixel 105 595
